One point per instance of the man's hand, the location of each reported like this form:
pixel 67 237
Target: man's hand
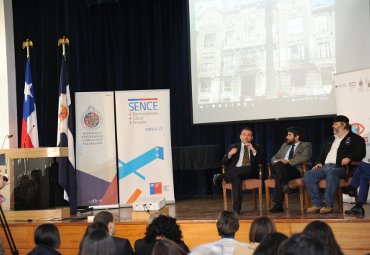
pixel 284 161
pixel 250 147
pixel 318 165
pixel 345 161
pixel 232 152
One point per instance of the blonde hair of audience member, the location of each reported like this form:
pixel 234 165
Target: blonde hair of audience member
pixel 164 246
pixel 98 242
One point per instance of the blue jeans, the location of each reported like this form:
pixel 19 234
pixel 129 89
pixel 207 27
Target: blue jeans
pixel 331 173
pixel 361 179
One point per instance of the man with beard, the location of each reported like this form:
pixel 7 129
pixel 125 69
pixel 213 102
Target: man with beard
pixel 242 161
pixel 288 165
pixel 341 148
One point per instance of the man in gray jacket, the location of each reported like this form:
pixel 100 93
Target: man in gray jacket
pixel 288 165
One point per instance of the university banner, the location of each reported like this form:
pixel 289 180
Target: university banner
pixel 144 145
pixel 96 149
pixel 352 92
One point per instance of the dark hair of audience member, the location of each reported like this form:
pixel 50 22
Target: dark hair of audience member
pixel 91 228
pixel 104 216
pixel 323 232
pixel 227 224
pixel 270 244
pixel 302 244
pixel 47 234
pixel 163 226
pixel 167 247
pixel 260 228
pixel 98 242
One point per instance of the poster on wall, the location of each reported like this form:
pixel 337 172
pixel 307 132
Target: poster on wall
pixel 144 145
pixel 96 150
pixel 352 91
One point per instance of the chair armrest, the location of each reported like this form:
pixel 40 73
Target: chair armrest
pixel 350 167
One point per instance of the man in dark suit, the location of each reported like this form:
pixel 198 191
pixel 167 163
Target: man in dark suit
pixel 288 164
pixel 123 245
pixel 241 162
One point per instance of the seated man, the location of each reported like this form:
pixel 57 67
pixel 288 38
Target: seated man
pixel 287 164
pixel 242 161
pixel 341 148
pixel 361 179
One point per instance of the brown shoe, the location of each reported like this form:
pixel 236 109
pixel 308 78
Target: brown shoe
pixel 313 209
pixel 325 209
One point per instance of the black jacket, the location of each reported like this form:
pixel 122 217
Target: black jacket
pixel 352 146
pixel 255 160
pixel 123 246
pixel 43 250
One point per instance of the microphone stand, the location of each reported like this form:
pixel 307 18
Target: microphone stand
pixel 7 232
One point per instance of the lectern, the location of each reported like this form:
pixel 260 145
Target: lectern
pixel 32 188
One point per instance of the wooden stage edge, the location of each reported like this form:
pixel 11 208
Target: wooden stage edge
pixel 197 218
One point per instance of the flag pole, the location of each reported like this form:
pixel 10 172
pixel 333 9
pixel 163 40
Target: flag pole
pixel 63 41
pixel 27 44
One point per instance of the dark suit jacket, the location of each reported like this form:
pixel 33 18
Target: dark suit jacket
pixel 255 160
pixel 352 146
pixel 302 153
pixel 43 250
pixel 123 246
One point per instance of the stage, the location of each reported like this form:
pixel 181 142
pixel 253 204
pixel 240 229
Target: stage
pixel 197 217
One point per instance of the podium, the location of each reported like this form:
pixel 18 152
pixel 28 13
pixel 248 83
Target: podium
pixel 31 184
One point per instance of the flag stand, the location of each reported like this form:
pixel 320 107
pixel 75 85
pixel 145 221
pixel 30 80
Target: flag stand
pixel 7 232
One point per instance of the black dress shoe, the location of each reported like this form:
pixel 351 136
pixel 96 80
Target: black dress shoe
pixel 217 179
pixel 276 208
pixel 355 211
pixel 351 191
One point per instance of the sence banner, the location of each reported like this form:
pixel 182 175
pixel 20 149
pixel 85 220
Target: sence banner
pixel 95 149
pixel 144 145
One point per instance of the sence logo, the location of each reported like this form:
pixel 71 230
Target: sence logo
pixel 357 128
pixel 142 104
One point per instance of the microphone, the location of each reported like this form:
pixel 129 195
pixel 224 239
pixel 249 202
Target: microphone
pixel 7 136
pixel 28 136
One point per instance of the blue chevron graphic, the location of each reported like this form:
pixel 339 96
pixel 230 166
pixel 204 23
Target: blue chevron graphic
pixel 131 167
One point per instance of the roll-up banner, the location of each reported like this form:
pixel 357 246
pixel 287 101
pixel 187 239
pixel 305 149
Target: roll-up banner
pixel 352 91
pixel 144 145
pixel 96 161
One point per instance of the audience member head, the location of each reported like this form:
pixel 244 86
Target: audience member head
pixel 165 246
pixel 260 228
pixel 47 234
pixel 323 232
pixel 106 218
pixel 302 244
pixel 227 224
pixel 98 242
pixel 92 227
pixel 270 244
pixel 163 226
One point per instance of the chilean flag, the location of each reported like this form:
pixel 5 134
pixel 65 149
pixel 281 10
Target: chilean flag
pixel 30 134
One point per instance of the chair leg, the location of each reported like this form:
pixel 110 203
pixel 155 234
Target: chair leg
pixel 286 198
pixel 254 199
pixel 301 197
pixel 267 193
pixel 224 191
pixel 340 200
pixel 306 198
pixel 260 198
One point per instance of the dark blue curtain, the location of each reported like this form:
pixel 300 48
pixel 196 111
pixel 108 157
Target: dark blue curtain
pixel 127 45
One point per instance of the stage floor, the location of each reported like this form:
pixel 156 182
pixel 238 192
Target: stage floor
pixel 197 217
pixel 207 209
